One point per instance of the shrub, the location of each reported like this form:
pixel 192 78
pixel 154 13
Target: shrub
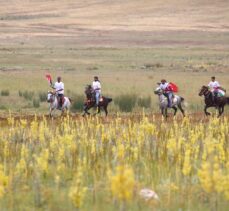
pixel 144 102
pixel 2 107
pixel 20 93
pixel 5 92
pixel 42 96
pixel 126 102
pixel 28 95
pixel 36 103
pixel 78 102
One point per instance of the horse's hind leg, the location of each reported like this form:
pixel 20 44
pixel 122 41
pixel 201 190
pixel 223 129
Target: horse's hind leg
pixel 105 109
pixel 175 110
pixel 181 109
pixel 165 113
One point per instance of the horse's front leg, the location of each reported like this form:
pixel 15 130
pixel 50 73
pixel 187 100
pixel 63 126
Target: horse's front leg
pixel 85 109
pixel 205 110
pixel 63 111
pixel 98 110
pixel 50 111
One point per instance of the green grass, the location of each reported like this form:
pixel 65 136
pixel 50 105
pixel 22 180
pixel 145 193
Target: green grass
pixel 121 71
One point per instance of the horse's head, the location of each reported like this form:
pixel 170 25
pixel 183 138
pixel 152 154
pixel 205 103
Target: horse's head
pixel 88 91
pixel 158 91
pixel 50 96
pixel 203 91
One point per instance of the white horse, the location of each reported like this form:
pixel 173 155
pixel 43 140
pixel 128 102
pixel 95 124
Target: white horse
pixel 163 102
pixel 52 99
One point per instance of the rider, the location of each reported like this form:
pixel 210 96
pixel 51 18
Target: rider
pixel 214 87
pixel 97 89
pixel 167 91
pixel 59 89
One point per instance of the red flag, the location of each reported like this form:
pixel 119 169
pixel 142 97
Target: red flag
pixel 174 87
pixel 49 78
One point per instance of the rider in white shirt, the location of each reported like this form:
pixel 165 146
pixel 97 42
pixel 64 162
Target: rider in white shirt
pixel 214 87
pixel 97 89
pixel 59 88
pixel 167 91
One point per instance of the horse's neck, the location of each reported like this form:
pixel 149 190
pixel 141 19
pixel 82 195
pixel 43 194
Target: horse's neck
pixel 54 100
pixel 161 98
pixel 208 95
pixel 89 96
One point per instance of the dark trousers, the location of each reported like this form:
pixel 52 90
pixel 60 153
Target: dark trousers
pixel 60 99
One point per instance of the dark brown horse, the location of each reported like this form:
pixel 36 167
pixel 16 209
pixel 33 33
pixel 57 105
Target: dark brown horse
pixel 91 102
pixel 219 103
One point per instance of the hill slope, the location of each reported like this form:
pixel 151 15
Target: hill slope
pixel 115 22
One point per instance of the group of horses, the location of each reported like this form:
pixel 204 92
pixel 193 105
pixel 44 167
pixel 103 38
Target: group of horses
pixel 177 101
pixel 89 103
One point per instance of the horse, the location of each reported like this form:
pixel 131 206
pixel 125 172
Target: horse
pixel 163 103
pixel 219 103
pixel 52 99
pixel 91 102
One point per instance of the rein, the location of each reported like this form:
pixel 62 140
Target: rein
pixel 206 93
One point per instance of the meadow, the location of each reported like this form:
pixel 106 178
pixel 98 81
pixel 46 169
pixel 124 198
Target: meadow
pixel 130 45
pixel 104 163
pixel 121 71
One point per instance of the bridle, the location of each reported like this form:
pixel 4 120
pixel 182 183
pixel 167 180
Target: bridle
pixel 204 91
pixel 52 97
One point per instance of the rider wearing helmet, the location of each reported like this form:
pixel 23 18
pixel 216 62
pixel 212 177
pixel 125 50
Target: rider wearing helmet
pixel 59 89
pixel 97 89
pixel 167 91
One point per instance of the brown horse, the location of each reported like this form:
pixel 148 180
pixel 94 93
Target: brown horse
pixel 219 103
pixel 91 102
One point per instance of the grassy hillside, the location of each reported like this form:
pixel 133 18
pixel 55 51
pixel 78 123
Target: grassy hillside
pixel 130 44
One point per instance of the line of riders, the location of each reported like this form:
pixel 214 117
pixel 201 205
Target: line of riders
pixel 93 92
pixel 214 87
pixel 95 99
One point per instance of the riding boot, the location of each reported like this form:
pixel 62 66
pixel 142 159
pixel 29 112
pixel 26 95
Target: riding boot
pixel 169 102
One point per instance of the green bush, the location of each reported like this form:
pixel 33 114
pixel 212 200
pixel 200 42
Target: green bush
pixel 20 93
pixel 28 95
pixel 5 92
pixel 126 102
pixel 2 107
pixel 77 102
pixel 144 102
pixel 42 96
pixel 36 103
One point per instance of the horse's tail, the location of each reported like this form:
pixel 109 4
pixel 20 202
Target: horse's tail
pixel 184 102
pixel 109 100
pixel 70 100
pixel 228 100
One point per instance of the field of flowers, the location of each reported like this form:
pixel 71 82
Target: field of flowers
pixel 94 164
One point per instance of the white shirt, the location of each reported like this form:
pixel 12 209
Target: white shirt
pixel 213 85
pixel 164 86
pixel 96 86
pixel 59 86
